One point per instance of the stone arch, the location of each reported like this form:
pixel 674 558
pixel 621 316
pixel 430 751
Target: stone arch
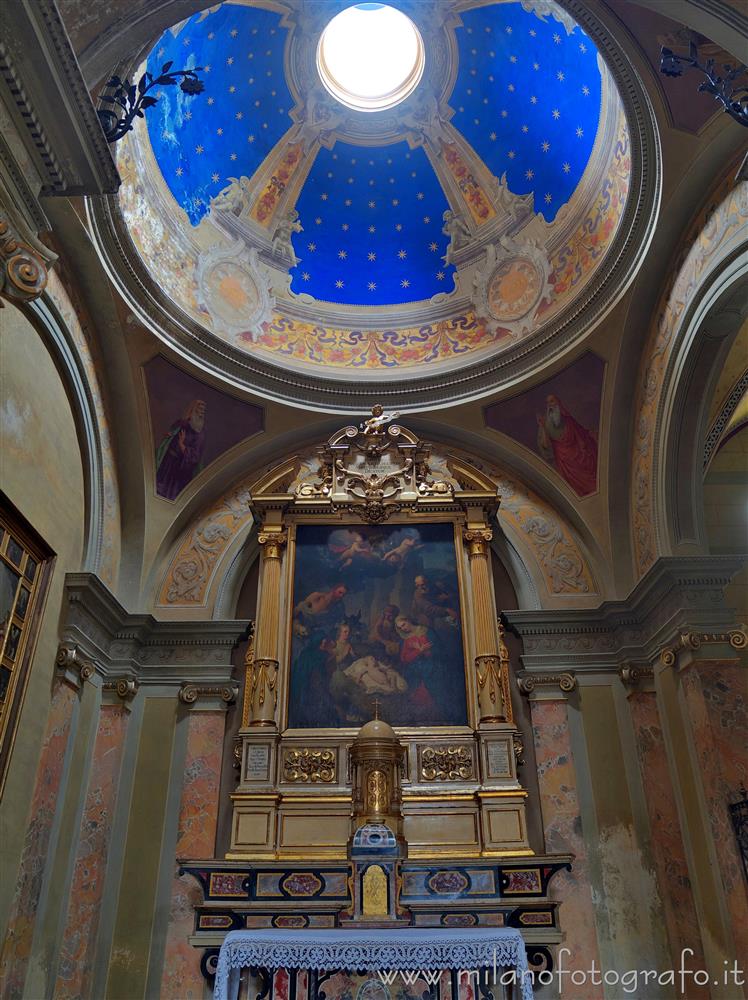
pixel 680 355
pixel 56 320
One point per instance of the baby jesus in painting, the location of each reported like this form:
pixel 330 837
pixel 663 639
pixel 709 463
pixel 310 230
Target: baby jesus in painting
pixel 375 677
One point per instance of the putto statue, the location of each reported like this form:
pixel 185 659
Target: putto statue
pixel 459 235
pixel 378 420
pixel 287 226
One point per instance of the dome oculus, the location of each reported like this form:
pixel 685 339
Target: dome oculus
pixel 370 57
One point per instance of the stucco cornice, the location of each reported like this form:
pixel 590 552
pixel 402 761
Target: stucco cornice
pixel 679 595
pixel 138 647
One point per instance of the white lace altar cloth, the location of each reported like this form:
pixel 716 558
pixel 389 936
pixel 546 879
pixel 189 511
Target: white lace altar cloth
pixel 408 949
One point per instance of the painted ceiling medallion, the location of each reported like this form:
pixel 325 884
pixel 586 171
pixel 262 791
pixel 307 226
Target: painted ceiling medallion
pixel 277 226
pixel 370 57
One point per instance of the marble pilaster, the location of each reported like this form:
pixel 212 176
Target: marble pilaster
pixel 198 812
pixel 78 948
pixel 37 845
pixel 668 850
pixel 562 827
pixel 715 696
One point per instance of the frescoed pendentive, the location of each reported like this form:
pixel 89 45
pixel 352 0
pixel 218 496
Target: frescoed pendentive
pixel 559 420
pixel 376 617
pixel 192 424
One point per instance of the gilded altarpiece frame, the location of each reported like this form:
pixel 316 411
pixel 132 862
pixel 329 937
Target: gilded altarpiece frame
pixel 376 499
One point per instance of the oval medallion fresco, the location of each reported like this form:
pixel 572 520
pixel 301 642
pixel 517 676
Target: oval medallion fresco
pixel 278 227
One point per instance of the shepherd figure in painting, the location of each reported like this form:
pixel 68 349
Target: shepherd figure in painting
pixel 568 446
pixel 179 455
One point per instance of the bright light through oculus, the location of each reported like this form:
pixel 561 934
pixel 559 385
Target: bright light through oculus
pixel 370 57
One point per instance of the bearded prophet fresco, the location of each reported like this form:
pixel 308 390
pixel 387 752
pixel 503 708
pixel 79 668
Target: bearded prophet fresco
pixel 376 617
pixel 559 419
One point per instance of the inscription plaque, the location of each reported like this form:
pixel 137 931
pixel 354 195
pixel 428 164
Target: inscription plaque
pixel 258 763
pixel 498 760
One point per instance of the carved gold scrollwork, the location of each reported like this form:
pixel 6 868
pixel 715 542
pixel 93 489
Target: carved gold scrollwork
pixel 306 764
pixel 447 763
pixel 504 670
pixel 262 691
pixel 488 675
pixel 249 659
pixel 23 273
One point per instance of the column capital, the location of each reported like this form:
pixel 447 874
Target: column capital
pixel 74 667
pixel 636 675
pixel 736 638
pixel 220 695
pixel 125 688
pixel 272 543
pixel 477 541
pixel 564 680
pixel 23 271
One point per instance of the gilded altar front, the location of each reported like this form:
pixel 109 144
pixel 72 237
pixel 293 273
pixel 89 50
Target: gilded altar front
pixel 376 587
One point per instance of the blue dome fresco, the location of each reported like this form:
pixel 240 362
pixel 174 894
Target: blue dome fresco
pixel 527 99
pixel 302 209
pixel 372 219
pixel 228 130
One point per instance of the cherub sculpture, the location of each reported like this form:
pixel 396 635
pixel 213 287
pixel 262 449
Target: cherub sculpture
pixel 377 420
pixel 285 229
pixel 457 230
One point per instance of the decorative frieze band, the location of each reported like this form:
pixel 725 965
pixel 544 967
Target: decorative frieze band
pixel 565 681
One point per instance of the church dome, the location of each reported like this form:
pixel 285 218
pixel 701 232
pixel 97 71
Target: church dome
pixel 476 220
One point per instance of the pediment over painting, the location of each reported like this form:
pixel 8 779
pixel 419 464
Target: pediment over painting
pixel 375 469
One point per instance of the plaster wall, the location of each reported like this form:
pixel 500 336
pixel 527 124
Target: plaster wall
pixel 42 474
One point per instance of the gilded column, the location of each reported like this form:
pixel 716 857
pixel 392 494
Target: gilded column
pixel 487 659
pixel 262 672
